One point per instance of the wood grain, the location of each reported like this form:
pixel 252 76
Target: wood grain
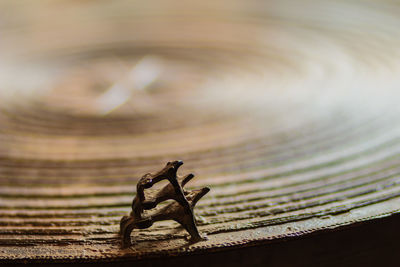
pixel 288 141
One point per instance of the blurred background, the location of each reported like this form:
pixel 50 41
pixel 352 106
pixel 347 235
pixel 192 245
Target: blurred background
pixel 288 110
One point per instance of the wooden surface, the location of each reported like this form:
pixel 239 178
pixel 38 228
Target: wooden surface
pixel 288 113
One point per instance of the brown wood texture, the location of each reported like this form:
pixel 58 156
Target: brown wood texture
pixel 287 111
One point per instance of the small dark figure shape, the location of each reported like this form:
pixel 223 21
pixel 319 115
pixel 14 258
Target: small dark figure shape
pixel 181 210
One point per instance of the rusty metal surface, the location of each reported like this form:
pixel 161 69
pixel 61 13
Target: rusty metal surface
pixel 287 111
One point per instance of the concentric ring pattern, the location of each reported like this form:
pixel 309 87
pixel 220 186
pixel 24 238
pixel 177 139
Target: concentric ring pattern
pixel 287 110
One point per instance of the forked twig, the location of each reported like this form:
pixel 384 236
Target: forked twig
pixel 181 210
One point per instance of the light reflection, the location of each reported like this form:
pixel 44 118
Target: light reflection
pixel 145 72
